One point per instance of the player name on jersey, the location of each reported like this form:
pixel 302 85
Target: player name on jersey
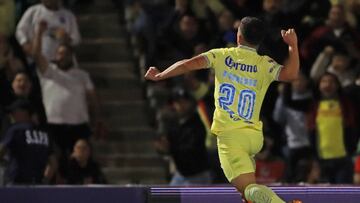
pixel 239 79
pixel 230 62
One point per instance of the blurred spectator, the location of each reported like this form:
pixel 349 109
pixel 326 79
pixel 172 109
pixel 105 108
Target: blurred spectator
pixel 201 88
pixel 353 92
pixel 81 168
pixel 308 171
pixel 202 91
pixel 335 33
pixel 269 168
pixel 62 27
pixel 145 19
pixel 205 16
pixel 216 6
pixel 141 28
pixel 186 37
pixel 226 34
pixel 339 65
pixel 30 150
pixel 332 128
pixel 308 14
pixel 7 17
pixel 186 143
pixel 275 20
pixel 240 8
pixel 293 122
pixel 332 124
pixel 181 8
pixel 305 14
pixel 356 177
pixel 9 66
pixel 352 9
pixel 67 94
pixel 22 89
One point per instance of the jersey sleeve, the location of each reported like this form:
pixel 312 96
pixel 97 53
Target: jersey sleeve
pixel 212 56
pixel 273 69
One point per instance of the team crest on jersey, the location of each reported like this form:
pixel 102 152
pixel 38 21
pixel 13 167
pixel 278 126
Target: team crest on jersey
pixel 230 62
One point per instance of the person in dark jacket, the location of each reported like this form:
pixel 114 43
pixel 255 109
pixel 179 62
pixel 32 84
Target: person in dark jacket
pixel 185 142
pixel 29 149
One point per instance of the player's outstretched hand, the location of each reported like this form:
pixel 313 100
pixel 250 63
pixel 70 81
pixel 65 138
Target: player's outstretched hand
pixel 152 73
pixel 289 37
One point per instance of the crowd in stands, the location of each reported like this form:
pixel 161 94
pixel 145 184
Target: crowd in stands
pixel 311 126
pixel 47 102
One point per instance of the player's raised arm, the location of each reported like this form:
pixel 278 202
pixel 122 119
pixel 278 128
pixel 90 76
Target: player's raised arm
pixel 178 68
pixel 292 64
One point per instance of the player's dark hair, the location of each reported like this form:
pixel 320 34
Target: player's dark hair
pixel 253 30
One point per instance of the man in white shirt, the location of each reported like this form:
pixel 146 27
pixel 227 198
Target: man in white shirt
pixel 67 94
pixel 62 27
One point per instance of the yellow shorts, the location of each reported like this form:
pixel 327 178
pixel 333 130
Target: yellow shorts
pixel 237 149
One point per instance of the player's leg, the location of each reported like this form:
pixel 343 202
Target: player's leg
pixel 236 151
pixel 246 185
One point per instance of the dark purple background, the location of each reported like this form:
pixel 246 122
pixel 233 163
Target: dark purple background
pixel 66 194
pixel 162 194
pixel 319 194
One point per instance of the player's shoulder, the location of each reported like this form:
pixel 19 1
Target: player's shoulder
pixel 221 51
pixel 265 59
pixel 225 49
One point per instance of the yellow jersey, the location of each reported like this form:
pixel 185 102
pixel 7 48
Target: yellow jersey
pixel 330 127
pixel 242 77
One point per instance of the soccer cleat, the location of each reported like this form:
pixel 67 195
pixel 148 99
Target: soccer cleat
pixel 245 201
pixel 295 201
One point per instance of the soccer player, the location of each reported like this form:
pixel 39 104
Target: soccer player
pixel 242 78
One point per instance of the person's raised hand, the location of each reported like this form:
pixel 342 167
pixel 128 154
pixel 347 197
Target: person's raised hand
pixel 152 73
pixel 289 36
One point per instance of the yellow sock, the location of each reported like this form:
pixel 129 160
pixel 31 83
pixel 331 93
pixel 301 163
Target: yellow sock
pixel 261 194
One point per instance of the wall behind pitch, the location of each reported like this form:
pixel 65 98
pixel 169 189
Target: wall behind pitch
pixel 66 194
